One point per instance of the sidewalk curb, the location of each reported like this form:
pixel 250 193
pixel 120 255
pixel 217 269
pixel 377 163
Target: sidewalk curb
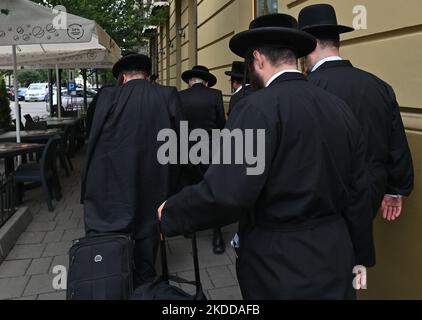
pixel 13 228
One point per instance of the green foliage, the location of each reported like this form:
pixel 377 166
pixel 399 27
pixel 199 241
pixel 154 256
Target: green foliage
pixel 123 20
pixel 26 77
pixel 5 118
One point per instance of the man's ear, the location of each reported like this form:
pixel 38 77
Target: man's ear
pixel 258 59
pixel 125 78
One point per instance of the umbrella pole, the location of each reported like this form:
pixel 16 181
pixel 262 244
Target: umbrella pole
pixel 59 97
pixel 50 91
pixel 15 85
pixel 84 75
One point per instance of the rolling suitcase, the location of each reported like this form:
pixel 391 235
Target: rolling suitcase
pixel 101 268
pixel 161 289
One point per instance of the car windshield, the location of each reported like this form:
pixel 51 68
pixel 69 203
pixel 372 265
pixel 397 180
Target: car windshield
pixel 36 87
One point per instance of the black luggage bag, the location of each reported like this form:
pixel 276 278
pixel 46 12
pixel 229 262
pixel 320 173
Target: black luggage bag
pixel 101 268
pixel 161 289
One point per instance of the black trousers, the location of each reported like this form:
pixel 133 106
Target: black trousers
pixel 145 255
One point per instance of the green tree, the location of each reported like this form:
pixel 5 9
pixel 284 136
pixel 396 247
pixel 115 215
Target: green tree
pixel 5 118
pixel 123 20
pixel 26 77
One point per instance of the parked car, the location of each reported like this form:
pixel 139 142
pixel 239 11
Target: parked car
pixel 10 94
pixel 74 102
pixel 36 92
pixel 21 94
pixel 69 102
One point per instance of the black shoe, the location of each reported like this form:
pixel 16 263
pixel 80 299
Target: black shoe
pixel 219 247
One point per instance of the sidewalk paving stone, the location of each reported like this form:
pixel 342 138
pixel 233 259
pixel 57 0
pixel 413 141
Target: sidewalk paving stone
pixel 28 251
pixel 58 295
pixel 12 287
pixel 31 238
pixel 27 271
pixel 53 236
pixel 42 283
pixel 39 266
pixel 14 268
pixel 57 248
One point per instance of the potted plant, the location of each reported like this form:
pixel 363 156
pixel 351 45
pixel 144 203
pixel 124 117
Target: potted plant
pixel 5 118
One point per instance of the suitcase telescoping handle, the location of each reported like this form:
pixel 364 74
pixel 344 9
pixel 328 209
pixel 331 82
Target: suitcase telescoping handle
pixel 164 264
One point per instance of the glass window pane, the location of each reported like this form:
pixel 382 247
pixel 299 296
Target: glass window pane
pixel 264 7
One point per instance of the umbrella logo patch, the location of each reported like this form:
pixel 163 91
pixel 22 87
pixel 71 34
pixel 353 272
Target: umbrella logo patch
pixel 50 28
pixel 38 32
pixel 98 258
pixel 92 55
pixel 75 31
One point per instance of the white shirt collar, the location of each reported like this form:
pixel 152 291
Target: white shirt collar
pixel 279 74
pixel 321 62
pixel 240 88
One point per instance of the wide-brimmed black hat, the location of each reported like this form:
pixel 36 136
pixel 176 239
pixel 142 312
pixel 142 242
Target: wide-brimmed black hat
pixel 276 30
pixel 133 62
pixel 320 20
pixel 200 72
pixel 237 71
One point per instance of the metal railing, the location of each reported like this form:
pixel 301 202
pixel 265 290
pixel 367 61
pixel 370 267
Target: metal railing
pixel 7 199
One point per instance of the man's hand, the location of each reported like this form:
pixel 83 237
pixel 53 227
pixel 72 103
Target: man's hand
pixel 160 211
pixel 391 207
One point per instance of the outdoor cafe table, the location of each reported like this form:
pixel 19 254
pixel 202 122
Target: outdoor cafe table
pixel 61 123
pixel 30 136
pixel 10 150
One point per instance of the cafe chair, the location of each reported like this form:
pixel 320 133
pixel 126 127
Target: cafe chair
pixel 28 119
pixel 45 173
pixel 42 125
pixel 65 152
pixel 14 123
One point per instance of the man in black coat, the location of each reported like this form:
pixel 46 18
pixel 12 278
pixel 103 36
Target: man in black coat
pixel 374 104
pixel 203 108
pixel 304 215
pixel 124 182
pixel 236 75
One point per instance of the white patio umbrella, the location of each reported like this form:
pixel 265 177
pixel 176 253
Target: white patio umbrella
pixel 97 59
pixel 101 50
pixel 33 30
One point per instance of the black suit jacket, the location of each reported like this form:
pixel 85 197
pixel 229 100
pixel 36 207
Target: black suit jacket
pixel 314 170
pixel 244 92
pixel 123 183
pixel 374 104
pixel 203 107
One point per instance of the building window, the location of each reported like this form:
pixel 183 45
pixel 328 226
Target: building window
pixel 263 7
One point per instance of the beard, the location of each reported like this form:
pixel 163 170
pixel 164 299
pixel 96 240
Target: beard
pixel 308 65
pixel 255 80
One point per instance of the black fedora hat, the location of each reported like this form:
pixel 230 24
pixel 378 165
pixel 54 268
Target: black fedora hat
pixel 320 20
pixel 133 62
pixel 200 72
pixel 278 30
pixel 237 71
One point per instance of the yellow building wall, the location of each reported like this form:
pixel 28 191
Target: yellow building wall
pixel 203 40
pixel 391 48
pixel 218 21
